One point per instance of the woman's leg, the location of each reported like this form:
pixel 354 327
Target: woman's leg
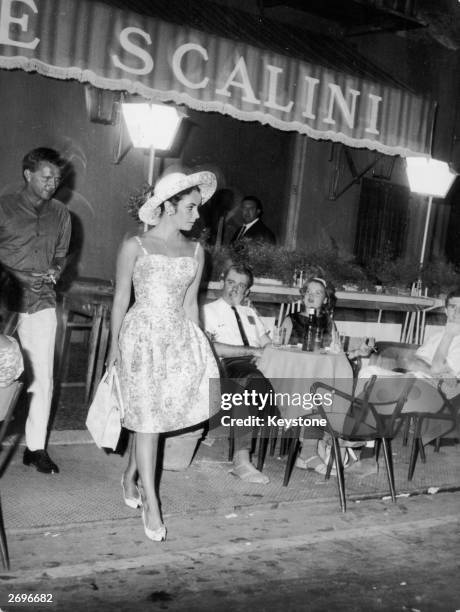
pixel 130 474
pixel 146 449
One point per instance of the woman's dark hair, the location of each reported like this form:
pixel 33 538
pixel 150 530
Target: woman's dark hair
pixel 140 197
pixel 175 199
pixel 34 158
pixel 329 291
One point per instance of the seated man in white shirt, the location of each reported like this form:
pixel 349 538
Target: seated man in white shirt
pixel 438 359
pixel 239 336
pixel 439 355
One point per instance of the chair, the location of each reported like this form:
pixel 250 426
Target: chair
pixel 8 399
pixel 436 406
pixel 363 422
pixel 260 436
pixel 287 308
pixel 234 379
pixel 394 356
pixel 83 314
pixel 425 405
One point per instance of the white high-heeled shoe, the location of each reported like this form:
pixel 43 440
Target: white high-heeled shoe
pixel 131 502
pixel 156 535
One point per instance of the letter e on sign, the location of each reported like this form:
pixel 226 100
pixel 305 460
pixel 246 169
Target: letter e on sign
pixel 7 19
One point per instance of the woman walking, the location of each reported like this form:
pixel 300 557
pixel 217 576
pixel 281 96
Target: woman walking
pixel 163 358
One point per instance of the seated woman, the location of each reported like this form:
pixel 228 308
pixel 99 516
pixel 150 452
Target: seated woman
pixel 320 295
pixel 11 364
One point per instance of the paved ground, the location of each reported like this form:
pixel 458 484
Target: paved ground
pixel 88 486
pixel 230 546
pixel 305 556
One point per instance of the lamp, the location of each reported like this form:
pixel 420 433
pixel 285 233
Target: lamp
pixel 152 126
pixel 432 178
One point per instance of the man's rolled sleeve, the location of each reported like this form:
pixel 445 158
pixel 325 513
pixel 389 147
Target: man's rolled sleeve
pixel 63 239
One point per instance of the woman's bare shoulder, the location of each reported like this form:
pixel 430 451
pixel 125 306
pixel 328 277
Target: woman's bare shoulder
pixel 131 243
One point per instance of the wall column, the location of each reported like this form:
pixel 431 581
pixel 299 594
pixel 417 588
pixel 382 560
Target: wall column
pixel 295 188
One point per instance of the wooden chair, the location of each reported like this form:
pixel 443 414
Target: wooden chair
pixel 287 308
pixel 8 399
pixel 86 307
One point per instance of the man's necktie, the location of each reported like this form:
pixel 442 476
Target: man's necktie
pixel 244 338
pixel 241 232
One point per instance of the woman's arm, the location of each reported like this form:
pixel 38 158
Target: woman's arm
pixel 191 295
pixel 125 264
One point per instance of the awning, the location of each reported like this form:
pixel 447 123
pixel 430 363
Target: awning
pixel 121 50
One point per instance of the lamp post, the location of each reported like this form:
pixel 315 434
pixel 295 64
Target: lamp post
pixel 432 178
pixel 153 127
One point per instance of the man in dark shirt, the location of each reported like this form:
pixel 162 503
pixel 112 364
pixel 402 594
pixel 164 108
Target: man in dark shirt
pixel 34 238
pixel 253 228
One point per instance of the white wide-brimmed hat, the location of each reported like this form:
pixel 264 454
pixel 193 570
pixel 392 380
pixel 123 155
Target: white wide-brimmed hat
pixel 172 184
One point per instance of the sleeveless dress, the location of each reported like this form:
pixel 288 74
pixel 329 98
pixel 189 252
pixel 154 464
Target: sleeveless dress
pixel 299 326
pixel 167 365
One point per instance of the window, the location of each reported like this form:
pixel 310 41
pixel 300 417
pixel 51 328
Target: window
pixel 383 217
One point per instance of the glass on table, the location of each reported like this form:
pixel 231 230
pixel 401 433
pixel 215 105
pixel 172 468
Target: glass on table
pixel 279 336
pixel 337 340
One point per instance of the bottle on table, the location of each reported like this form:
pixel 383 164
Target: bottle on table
pixel 309 335
pixel 318 338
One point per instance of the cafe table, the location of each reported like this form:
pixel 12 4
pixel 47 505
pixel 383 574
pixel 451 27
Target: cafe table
pixel 292 371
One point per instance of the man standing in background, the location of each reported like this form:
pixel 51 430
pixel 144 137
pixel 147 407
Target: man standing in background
pixel 34 238
pixel 253 228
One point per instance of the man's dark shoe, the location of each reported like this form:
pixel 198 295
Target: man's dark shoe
pixel 41 460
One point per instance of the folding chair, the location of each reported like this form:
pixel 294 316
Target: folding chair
pixel 362 422
pixel 425 405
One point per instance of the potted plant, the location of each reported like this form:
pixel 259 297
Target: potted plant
pixel 395 274
pixel 278 264
pixel 440 277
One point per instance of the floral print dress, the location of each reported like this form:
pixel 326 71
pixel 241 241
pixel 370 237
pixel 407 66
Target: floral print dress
pixel 167 370
pixel 11 364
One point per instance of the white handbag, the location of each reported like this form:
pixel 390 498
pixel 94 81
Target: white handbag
pixel 106 412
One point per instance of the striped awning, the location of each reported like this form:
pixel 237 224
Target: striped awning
pixel 116 49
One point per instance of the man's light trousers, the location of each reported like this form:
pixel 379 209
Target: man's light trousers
pixel 37 333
